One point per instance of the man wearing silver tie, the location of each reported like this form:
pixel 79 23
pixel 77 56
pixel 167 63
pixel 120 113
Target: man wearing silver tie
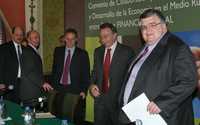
pixel 164 70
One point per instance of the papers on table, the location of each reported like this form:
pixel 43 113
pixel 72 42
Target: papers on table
pixel 137 110
pixel 44 115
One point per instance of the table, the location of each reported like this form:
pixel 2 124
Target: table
pixel 15 112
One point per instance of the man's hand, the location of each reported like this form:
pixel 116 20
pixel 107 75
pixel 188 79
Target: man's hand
pixel 47 87
pixel 153 108
pixel 94 90
pixel 2 87
pixel 82 94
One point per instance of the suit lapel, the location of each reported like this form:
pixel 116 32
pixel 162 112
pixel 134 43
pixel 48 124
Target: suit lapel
pixel 146 67
pixel 121 96
pixel 74 58
pixel 35 53
pixel 115 58
pixel 101 55
pixel 13 53
pixel 61 54
pixel 101 61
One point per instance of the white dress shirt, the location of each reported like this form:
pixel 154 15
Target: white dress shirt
pixel 135 70
pixel 66 54
pixel 114 45
pixel 16 49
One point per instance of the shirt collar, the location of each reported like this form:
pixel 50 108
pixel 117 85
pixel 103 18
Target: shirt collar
pixel 16 44
pixel 71 49
pixel 151 46
pixel 114 45
pixel 32 47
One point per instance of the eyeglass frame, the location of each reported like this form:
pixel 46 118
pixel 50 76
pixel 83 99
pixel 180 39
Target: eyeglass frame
pixel 151 26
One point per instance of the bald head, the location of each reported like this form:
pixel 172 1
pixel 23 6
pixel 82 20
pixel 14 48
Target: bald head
pixel 17 34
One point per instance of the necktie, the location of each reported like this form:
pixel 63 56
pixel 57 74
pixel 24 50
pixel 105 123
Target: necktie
pixel 138 58
pixel 19 55
pixel 106 70
pixel 66 69
pixel 129 85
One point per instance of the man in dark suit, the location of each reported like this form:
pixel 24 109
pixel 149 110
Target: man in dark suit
pixel 71 71
pixel 32 82
pixel 110 64
pixel 164 70
pixel 10 65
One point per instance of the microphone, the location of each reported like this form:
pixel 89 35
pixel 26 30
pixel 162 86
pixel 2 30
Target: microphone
pixel 6 89
pixel 35 101
pixel 42 99
pixel 10 87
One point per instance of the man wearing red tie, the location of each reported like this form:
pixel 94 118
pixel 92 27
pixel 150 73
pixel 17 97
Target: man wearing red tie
pixel 71 70
pixel 110 64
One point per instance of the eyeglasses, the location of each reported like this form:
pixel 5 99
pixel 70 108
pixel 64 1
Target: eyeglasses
pixel 150 26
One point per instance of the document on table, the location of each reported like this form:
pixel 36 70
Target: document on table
pixel 137 110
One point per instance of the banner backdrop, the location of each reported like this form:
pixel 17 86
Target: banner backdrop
pixel 124 14
pixel 192 38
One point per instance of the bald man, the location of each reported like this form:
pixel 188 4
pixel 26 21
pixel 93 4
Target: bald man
pixel 10 65
pixel 32 82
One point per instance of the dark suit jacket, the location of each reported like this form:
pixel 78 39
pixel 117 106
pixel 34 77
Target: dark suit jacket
pixel 9 67
pixel 79 70
pixel 168 77
pixel 119 64
pixel 32 75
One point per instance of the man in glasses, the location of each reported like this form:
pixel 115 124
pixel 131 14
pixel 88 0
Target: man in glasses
pixel 164 70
